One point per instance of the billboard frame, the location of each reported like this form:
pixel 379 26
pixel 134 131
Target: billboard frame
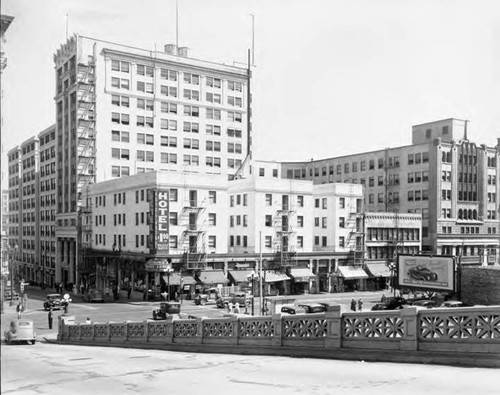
pixel 452 273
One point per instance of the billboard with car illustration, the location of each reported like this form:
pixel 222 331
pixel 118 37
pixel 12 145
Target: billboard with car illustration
pixel 435 273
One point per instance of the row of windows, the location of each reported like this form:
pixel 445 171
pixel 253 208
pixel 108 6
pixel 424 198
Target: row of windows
pixel 171 124
pixel 390 234
pixel 172 75
pixel 166 141
pixel 171 91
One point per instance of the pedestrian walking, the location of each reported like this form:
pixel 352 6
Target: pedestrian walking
pixel 360 304
pixel 19 310
pixel 129 291
pixel 50 318
pixel 353 304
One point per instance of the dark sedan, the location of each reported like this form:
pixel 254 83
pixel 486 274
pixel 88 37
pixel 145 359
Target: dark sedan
pixel 53 301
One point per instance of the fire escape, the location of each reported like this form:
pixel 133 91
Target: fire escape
pixel 356 238
pixel 285 254
pixel 193 233
pixel 85 223
pixel 86 132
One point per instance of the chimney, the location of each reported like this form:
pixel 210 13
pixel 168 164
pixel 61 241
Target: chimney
pixel 171 49
pixel 183 51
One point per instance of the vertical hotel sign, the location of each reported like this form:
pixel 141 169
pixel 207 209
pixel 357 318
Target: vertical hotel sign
pixel 159 228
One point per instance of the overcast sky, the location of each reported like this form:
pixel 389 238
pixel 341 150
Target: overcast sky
pixel 331 77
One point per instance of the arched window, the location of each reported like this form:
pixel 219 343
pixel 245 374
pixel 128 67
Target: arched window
pixel 460 214
pixel 470 214
pixel 474 214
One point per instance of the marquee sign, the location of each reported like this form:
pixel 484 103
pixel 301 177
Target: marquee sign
pixel 159 224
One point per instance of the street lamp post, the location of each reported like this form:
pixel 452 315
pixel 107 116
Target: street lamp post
pixel 11 270
pixel 169 270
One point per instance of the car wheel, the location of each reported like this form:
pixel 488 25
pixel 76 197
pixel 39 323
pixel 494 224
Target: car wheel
pixel 203 302
pixel 33 342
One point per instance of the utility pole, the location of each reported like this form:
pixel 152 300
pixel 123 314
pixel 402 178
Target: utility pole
pixel 260 275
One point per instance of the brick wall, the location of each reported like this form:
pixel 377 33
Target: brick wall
pixel 480 285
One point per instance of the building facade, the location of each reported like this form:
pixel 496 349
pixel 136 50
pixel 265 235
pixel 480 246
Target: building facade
pixel 449 180
pixel 122 110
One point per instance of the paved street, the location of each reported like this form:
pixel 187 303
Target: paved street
pixel 139 310
pixel 58 369
pixel 64 369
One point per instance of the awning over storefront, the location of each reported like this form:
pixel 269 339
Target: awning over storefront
pixel 273 277
pixel 349 272
pixel 301 275
pixel 175 279
pixel 241 276
pixel 213 277
pixel 378 270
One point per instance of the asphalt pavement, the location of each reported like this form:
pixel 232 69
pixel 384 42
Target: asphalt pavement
pixel 136 309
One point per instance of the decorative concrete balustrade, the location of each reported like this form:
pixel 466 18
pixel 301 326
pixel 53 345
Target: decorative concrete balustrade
pixel 461 330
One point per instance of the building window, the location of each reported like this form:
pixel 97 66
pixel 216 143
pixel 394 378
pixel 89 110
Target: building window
pixel 300 241
pixel 212 242
pixel 341 241
pixel 212 219
pixel 341 202
pixel 323 222
pixel 268 241
pixel 269 199
pixel 341 222
pixel 268 221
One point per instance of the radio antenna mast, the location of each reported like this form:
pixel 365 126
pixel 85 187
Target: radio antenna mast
pixel 177 23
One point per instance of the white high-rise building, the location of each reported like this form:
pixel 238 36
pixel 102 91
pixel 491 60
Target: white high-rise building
pixel 122 110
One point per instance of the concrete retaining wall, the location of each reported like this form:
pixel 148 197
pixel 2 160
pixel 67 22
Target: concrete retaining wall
pixel 464 336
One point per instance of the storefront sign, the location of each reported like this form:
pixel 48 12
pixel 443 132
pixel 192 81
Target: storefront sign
pixel 158 265
pixel 426 272
pixel 159 227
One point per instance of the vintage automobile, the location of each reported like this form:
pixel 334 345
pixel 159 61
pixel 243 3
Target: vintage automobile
pixel 53 301
pixel 165 309
pixel 290 309
pixel 452 303
pixel 237 297
pixel 210 296
pixel 390 303
pixel 20 331
pixel 427 303
pixel 379 306
pixel 93 295
pixel 422 273
pixel 313 308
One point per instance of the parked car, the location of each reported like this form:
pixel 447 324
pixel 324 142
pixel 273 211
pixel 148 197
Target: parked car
pixel 390 303
pixel 237 297
pixel 20 331
pixel 293 310
pixel 452 303
pixel 93 295
pixel 422 273
pixel 379 306
pixel 313 308
pixel 427 303
pixel 209 296
pixel 52 301
pixel 165 309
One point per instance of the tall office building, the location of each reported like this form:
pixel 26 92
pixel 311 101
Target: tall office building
pixel 450 180
pixel 122 110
